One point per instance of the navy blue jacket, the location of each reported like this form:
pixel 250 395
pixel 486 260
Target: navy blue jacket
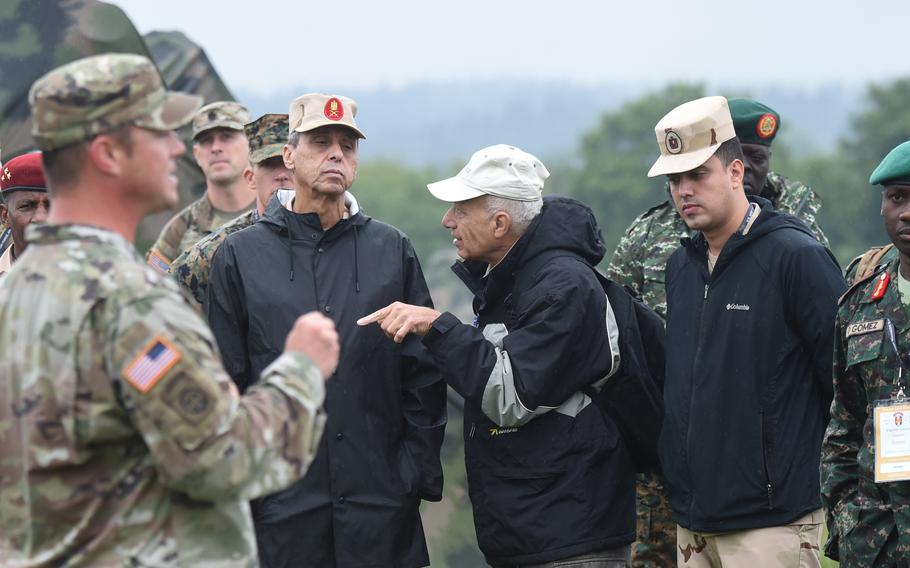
pixel 548 475
pixel 748 386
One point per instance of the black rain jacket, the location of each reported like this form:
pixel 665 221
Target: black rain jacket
pixel 358 504
pixel 557 482
pixel 748 385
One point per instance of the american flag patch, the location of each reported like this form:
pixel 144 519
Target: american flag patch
pixel 152 363
pixel 158 262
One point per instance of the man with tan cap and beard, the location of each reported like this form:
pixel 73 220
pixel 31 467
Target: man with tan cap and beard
pixel 359 505
pixel 751 300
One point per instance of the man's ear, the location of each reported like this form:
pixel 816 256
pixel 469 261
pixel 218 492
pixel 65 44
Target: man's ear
pixel 737 170
pixel 249 178
pixel 4 214
pixel 502 224
pixel 107 155
pixel 287 154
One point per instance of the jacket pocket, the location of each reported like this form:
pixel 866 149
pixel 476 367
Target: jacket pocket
pixel 865 347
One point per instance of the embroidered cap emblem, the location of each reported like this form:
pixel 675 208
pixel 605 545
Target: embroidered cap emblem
pixel 673 142
pixel 334 110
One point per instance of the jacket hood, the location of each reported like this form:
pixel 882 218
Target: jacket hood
pixel 276 218
pixel 768 221
pixel 564 224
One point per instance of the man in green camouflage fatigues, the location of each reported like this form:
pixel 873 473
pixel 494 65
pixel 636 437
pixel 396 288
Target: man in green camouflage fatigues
pixel 869 522
pixel 124 441
pixel 220 149
pixel 267 136
pixel 639 262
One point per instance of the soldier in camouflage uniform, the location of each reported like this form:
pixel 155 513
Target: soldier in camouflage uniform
pixel 124 442
pixel 267 136
pixel 639 262
pixel 221 150
pixel 869 522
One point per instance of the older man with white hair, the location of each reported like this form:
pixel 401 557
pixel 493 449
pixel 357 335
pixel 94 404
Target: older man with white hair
pixel 548 475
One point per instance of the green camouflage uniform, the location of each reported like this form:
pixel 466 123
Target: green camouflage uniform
pixel 266 136
pixel 123 441
pixel 869 523
pixel 639 262
pixel 191 269
pixel 795 198
pixel 187 228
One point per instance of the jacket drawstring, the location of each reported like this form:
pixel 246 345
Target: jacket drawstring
pixel 356 272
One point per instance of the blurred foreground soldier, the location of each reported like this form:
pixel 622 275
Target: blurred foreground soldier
pixel 550 481
pixel 751 300
pixel 23 201
pixel 359 503
pixel 756 126
pixel 221 151
pixel 866 455
pixel 124 442
pixel 267 173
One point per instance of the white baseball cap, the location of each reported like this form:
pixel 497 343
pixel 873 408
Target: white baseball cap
pixel 690 134
pixel 501 170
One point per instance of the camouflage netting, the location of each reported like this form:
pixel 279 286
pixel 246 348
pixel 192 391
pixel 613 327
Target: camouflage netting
pixel 39 35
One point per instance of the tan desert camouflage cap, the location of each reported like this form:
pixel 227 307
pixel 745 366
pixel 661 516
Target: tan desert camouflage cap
pixel 220 114
pixel 101 93
pixel 267 136
pixel 690 134
pixel 314 110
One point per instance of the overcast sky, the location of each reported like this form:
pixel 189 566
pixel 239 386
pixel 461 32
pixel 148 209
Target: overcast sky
pixel 262 45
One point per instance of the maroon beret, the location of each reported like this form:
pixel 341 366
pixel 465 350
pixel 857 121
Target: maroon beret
pixel 23 173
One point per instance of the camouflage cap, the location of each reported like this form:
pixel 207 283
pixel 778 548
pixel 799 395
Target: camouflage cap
pixel 315 110
pixel 221 114
pixel 267 136
pixel 102 93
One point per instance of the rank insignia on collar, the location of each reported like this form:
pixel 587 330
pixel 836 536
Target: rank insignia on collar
pixel 767 125
pixel 333 110
pixel 880 287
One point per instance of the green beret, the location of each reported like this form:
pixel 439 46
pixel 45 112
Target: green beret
pixel 754 122
pixel 895 168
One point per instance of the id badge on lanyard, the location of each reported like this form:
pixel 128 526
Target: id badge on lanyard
pixel 891 424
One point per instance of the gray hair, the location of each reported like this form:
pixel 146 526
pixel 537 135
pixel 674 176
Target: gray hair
pixel 521 212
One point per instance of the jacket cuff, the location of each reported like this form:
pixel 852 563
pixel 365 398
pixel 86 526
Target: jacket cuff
pixel 440 327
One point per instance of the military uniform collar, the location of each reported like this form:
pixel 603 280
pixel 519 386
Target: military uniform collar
pixel 43 234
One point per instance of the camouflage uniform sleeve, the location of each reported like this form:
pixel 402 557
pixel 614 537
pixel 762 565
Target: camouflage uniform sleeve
pixel 205 439
pixel 805 204
pixel 167 247
pixel 191 269
pixel 843 438
pixel 626 265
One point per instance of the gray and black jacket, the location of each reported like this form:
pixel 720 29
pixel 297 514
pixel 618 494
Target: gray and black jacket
pixel 548 475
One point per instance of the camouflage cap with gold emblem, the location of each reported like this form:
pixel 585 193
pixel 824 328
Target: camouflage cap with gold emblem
pixel 314 110
pixel 754 122
pixel 220 114
pixel 267 136
pixel 99 94
pixel 690 134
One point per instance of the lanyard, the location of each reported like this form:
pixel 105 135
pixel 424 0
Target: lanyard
pixel 901 361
